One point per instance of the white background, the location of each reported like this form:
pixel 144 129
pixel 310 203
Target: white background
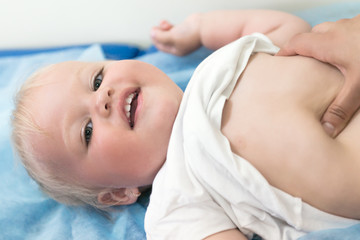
pixel 31 23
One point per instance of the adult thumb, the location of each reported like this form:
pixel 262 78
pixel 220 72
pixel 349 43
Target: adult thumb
pixel 342 109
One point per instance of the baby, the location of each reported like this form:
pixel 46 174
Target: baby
pixel 244 147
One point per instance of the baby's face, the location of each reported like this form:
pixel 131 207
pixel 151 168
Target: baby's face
pixel 108 123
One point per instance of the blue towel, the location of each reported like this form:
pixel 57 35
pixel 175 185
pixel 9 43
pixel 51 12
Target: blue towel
pixel 350 233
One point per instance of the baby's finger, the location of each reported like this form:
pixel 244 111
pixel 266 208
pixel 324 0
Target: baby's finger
pixel 168 48
pixel 160 36
pixel 165 25
pixel 162 47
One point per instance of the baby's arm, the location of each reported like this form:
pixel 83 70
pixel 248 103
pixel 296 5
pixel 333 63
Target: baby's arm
pixel 218 28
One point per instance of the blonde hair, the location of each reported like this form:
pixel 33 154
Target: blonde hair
pixel 23 128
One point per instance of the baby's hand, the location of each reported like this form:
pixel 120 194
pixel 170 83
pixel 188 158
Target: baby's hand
pixel 179 40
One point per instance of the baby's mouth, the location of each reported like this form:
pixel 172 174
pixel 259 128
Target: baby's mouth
pixel 130 107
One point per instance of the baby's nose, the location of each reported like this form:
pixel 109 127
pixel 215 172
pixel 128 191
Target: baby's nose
pixel 104 101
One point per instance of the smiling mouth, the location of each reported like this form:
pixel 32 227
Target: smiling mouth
pixel 130 107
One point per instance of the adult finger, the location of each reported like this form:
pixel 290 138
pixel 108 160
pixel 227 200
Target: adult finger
pixel 305 44
pixel 342 108
pixel 322 27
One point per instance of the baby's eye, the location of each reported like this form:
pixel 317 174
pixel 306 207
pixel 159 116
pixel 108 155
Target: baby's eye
pixel 88 132
pixel 98 80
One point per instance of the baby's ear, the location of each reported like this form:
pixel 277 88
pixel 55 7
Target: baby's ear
pixel 119 196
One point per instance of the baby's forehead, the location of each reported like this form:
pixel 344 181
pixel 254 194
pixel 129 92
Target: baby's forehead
pixel 59 68
pixel 42 76
pixel 54 73
pixel 45 86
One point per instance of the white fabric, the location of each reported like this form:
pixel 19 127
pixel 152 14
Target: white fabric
pixel 204 188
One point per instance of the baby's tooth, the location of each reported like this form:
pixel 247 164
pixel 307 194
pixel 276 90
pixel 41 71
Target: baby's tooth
pixel 127 108
pixel 130 97
pixel 128 114
pixel 128 100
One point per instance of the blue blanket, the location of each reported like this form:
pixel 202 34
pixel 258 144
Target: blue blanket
pixel 25 213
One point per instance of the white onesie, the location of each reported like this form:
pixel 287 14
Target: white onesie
pixel 203 188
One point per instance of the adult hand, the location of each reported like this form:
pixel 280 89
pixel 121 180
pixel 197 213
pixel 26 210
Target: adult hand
pixel 337 43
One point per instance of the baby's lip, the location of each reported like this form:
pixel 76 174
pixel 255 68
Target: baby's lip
pixel 128 105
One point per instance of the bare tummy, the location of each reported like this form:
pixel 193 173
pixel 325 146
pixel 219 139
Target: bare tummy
pixel 272 119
